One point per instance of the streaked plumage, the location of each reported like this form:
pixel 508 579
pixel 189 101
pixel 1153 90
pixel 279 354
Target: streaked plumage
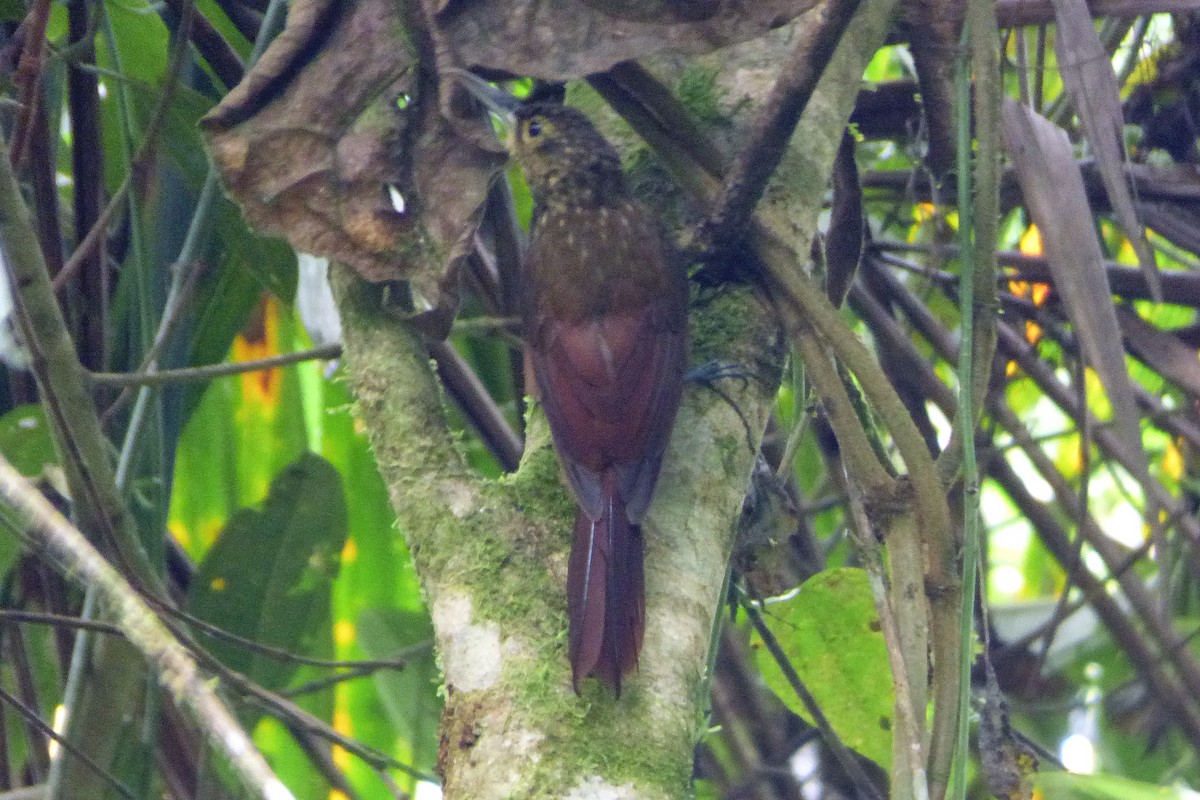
pixel 605 312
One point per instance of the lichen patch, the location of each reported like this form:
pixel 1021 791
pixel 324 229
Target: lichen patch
pixel 596 788
pixel 470 651
pixel 461 498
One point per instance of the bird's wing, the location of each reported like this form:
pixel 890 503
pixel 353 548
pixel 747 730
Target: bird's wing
pixel 610 385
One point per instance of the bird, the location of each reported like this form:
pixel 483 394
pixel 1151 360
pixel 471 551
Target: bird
pixel 604 301
pixel 604 307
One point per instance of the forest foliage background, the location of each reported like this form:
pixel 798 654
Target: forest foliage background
pixel 280 544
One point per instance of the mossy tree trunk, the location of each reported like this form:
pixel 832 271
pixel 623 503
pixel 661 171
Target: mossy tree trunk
pixel 492 555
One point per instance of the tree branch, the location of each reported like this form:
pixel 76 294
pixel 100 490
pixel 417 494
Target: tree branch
pixel 492 558
pixel 759 157
pixel 780 244
pixel 64 546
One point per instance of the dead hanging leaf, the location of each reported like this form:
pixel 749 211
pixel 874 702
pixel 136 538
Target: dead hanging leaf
pixel 847 225
pixel 335 141
pixel 565 39
pixel 1091 84
pixel 663 10
pixel 1176 221
pixel 1162 350
pixel 1057 201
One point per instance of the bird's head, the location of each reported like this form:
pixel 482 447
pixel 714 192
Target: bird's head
pixel 562 154
pixel 560 150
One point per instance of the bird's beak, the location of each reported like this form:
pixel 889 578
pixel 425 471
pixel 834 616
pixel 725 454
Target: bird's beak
pixel 498 102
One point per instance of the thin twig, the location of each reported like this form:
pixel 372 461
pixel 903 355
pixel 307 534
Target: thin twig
pixel 359 669
pixel 28 79
pixel 210 371
pixel 184 273
pixel 47 531
pixel 1012 346
pixel 277 653
pixel 39 763
pixel 908 743
pixel 146 151
pixel 284 708
pixel 91 241
pixel 37 618
pixel 213 48
pixel 292 714
pixel 31 716
pixel 756 162
pixel 1179 288
pixel 477 404
pixel 1173 697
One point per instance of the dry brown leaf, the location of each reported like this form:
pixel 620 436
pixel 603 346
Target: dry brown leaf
pixel 1091 84
pixel 338 110
pixel 1055 196
pixel 564 39
pixel 334 114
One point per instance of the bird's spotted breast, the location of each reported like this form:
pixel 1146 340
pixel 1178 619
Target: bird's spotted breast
pixel 586 262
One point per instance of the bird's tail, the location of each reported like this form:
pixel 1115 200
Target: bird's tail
pixel 605 593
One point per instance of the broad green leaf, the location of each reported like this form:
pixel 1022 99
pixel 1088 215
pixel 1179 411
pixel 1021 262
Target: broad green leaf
pixel 288 760
pixel 204 491
pixel 25 440
pixel 245 430
pixel 229 32
pixel 179 137
pixel 268 576
pixel 831 636
pixel 1066 786
pixel 376 574
pixel 227 296
pixel 241 263
pixel 409 696
pixel 141 37
pixel 12 10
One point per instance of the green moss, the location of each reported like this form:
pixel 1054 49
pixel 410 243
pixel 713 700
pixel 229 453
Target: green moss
pixel 600 740
pixel 651 182
pixel 539 489
pixel 732 453
pixel 719 319
pixel 378 117
pixel 599 733
pixel 697 90
pixel 638 159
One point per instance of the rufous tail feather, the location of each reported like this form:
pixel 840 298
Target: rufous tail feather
pixel 605 594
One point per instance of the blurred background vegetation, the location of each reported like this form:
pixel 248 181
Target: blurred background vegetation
pixel 277 526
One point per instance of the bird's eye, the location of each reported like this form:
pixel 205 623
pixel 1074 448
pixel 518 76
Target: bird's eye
pixel 534 128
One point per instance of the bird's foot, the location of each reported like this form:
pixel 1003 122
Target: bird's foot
pixel 710 373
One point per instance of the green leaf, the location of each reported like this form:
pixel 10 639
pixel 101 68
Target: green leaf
pixel 831 636
pixel 1065 786
pixel 25 440
pixel 12 10
pixel 213 12
pixel 268 576
pixel 141 37
pixel 376 579
pixel 409 696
